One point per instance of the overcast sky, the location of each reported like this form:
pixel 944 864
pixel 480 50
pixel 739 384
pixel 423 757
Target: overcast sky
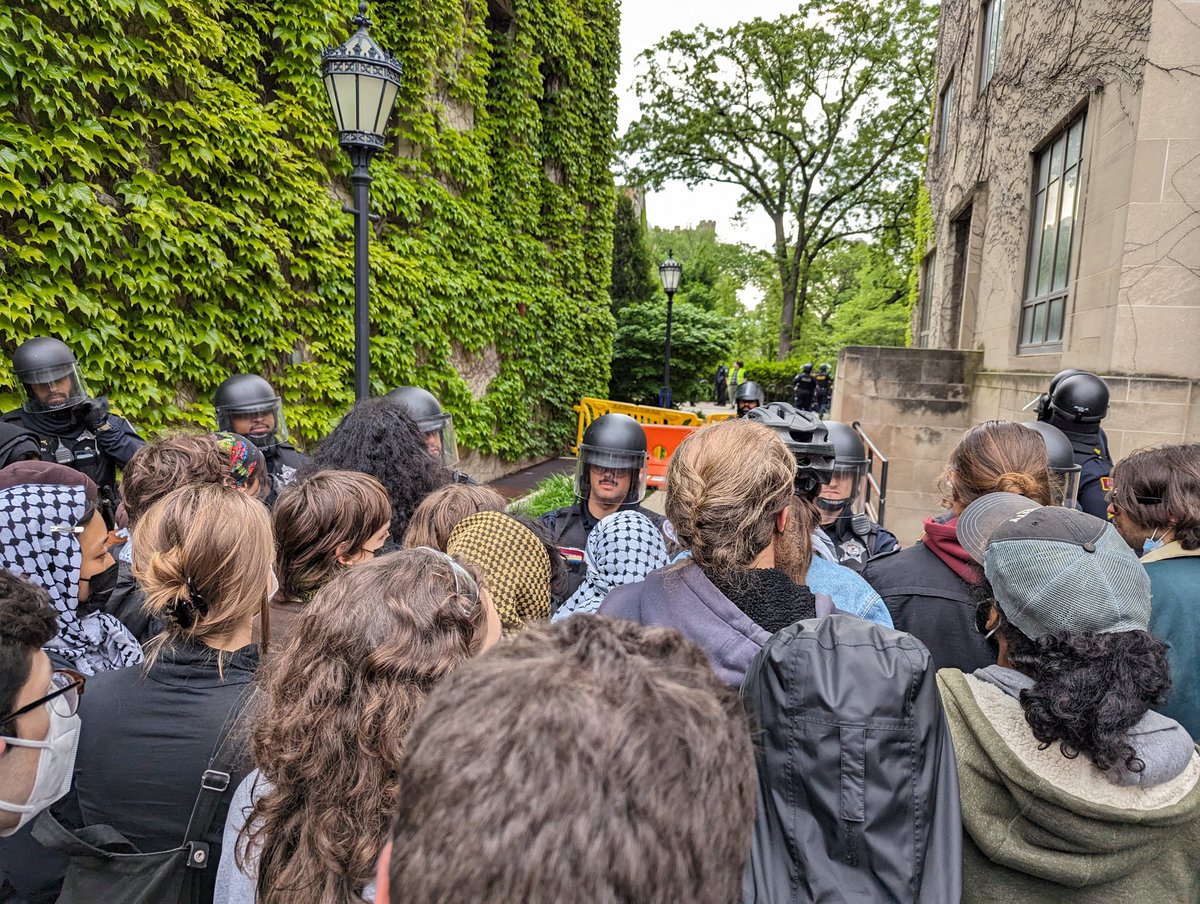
pixel 643 22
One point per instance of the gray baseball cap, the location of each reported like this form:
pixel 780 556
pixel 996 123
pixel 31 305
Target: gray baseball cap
pixel 1055 569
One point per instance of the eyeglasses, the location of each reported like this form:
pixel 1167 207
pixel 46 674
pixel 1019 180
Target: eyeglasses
pixel 66 687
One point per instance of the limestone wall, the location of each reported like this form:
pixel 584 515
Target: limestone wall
pixel 915 404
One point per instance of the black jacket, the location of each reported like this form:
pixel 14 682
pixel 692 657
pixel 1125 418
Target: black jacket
pixel 928 600
pixel 146 739
pixel 856 539
pixel 283 463
pixel 858 791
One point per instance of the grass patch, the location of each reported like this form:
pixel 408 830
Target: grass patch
pixel 556 491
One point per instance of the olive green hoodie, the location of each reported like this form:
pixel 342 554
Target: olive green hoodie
pixel 1039 827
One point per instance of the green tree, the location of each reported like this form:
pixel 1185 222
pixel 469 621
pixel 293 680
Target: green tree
pixel 816 115
pixel 713 271
pixel 700 340
pixel 633 271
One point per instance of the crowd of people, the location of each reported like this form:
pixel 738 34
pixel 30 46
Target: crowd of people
pixel 242 674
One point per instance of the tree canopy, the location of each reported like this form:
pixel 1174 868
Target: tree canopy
pixel 818 116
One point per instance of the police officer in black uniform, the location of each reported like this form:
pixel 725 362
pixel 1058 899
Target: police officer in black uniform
pixel 804 388
pixel 1063 466
pixel 856 538
pixel 823 394
pixel 1076 406
pixel 610 476
pixel 70 427
pixel 749 396
pixel 246 404
pixel 436 424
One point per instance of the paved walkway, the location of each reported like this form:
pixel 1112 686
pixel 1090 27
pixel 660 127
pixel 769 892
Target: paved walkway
pixel 518 483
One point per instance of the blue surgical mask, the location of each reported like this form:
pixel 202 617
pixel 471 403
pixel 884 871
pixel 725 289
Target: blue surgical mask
pixel 1150 544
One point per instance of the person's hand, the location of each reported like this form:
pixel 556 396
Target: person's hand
pixel 93 413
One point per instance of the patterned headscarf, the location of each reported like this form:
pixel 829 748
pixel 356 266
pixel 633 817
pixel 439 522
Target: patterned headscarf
pixel 514 562
pixel 38 540
pixel 244 459
pixel 621 549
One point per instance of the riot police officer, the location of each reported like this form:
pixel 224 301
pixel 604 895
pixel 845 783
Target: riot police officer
pixel 749 396
pixel 71 427
pixel 436 424
pixel 1077 406
pixel 1062 463
pixel 823 393
pixel 856 538
pixel 1043 402
pixel 246 404
pixel 610 476
pixel 804 387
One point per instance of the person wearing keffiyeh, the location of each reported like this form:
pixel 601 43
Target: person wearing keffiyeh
pixel 621 549
pixel 44 510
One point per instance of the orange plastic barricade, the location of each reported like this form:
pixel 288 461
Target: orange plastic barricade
pixel 589 409
pixel 661 442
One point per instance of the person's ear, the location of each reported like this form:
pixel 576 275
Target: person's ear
pixel 342 553
pixel 781 520
pixel 382 868
pixel 993 618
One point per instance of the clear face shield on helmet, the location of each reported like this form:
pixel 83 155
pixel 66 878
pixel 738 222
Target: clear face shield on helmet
pixel 612 476
pixel 52 388
pixel 262 423
pixel 1066 489
pixel 844 492
pixel 440 440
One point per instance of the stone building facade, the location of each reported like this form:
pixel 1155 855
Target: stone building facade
pixel 1064 181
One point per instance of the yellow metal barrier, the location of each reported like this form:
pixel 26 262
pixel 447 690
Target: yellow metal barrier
pixel 590 409
pixel 720 416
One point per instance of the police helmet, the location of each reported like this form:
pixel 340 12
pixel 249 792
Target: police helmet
pixel 1081 398
pixel 613 442
pixel 806 436
pixel 243 396
pixel 1062 462
pixel 49 375
pixel 851 461
pixel 427 411
pixel 1043 401
pixel 748 392
pixel 823 369
pixel 806 368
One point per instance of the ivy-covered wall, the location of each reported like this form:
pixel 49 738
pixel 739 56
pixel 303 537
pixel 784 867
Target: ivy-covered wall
pixel 171 196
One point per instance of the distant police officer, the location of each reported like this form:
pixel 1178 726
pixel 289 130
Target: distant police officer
pixel 856 538
pixel 71 428
pixel 1076 406
pixel 610 476
pixel 1062 463
pixel 436 424
pixel 823 394
pixel 804 388
pixel 246 404
pixel 748 397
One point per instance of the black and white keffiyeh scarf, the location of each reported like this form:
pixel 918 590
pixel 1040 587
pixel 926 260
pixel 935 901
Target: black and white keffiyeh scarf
pixel 38 540
pixel 621 549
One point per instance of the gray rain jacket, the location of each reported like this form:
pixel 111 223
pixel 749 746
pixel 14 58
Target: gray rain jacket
pixel 858 790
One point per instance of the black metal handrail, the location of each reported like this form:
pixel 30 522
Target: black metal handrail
pixel 874 454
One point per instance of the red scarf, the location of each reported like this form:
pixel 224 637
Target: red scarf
pixel 941 538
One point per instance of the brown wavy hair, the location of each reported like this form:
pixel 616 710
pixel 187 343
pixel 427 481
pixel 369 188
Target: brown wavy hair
pixel 203 555
pixel 1159 488
pixel 338 700
pixel 997 457
pixel 439 513
pixel 166 464
pixel 319 518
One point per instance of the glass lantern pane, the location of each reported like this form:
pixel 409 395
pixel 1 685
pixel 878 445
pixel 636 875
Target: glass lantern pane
pixel 331 88
pixel 385 109
pixel 344 91
pixel 370 95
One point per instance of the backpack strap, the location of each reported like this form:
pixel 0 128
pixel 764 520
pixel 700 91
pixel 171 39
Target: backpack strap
pixel 214 783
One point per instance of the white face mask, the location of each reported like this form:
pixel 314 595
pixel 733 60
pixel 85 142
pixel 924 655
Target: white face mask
pixel 56 764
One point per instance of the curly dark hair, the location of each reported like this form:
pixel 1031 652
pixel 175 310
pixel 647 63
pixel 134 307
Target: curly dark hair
pixel 27 622
pixel 1089 689
pixel 337 703
pixel 380 438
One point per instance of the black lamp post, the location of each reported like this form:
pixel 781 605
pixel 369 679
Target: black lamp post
pixel 362 81
pixel 669 271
